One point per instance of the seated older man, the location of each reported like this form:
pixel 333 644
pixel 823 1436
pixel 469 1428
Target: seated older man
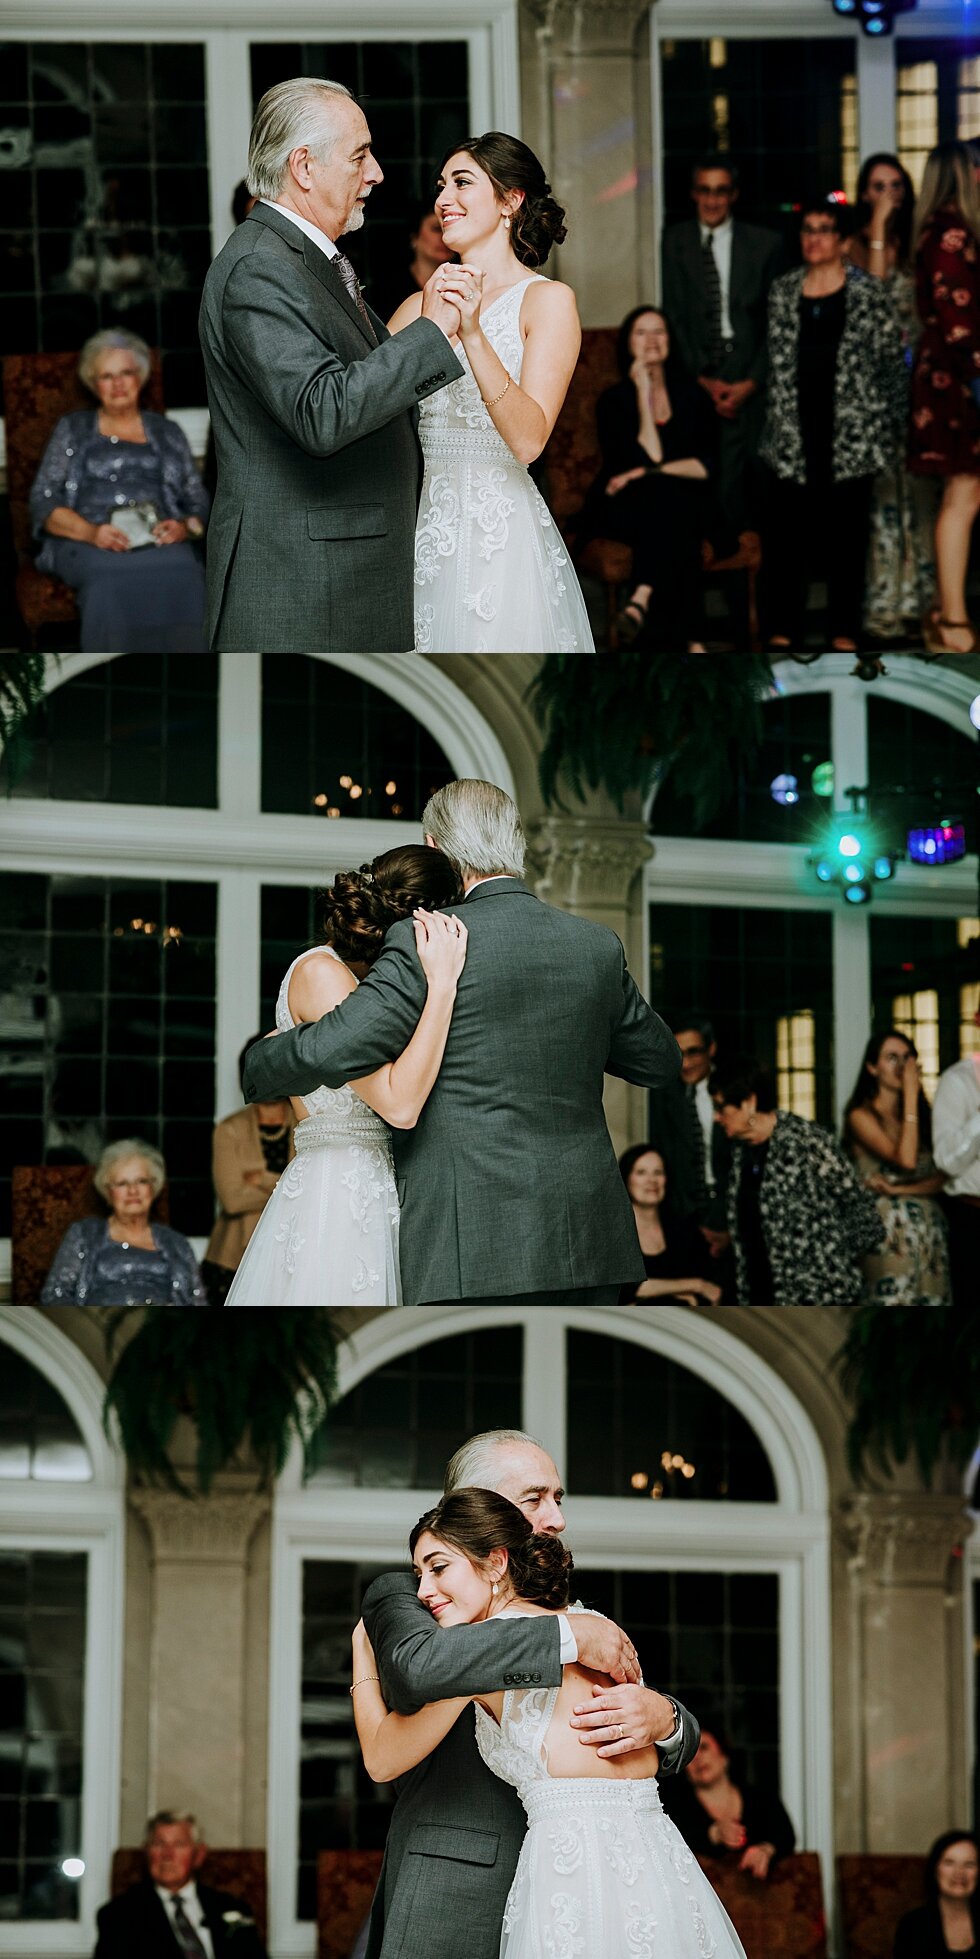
pixel 170 1913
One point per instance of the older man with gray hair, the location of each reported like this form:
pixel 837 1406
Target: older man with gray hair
pixel 314 406
pixel 508 1183
pixel 458 1824
pixel 170 1912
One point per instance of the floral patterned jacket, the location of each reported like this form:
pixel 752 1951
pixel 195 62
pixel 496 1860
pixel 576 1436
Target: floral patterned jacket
pixel 818 1220
pixel 871 395
pixel 65 460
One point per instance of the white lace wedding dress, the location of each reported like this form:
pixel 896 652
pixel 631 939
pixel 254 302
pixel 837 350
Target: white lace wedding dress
pixel 603 1873
pixel 329 1234
pixel 492 574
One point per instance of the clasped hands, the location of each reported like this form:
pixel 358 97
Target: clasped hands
pixel 727 396
pixel 452 299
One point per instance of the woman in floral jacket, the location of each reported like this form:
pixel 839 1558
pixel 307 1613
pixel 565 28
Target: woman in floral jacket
pixel 801 1222
pixel 945 434
pixel 836 407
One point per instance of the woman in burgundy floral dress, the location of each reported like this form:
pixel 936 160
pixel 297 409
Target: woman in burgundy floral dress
pixel 945 433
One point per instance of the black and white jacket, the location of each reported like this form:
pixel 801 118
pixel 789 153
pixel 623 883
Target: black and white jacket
pixel 818 1220
pixel 871 393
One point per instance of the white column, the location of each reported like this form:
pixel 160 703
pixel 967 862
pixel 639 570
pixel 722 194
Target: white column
pixel 240 734
pixel 237 1014
pixel 876 94
pixel 229 110
pixel 544 1383
pixel 852 994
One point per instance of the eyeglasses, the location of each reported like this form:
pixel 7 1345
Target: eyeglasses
pixel 132 1183
pixel 819 230
pixel 121 374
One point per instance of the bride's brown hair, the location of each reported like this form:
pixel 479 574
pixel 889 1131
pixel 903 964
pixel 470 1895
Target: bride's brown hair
pixel 359 907
pixel 477 1522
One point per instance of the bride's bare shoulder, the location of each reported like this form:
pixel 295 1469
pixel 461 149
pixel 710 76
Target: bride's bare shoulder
pixel 319 983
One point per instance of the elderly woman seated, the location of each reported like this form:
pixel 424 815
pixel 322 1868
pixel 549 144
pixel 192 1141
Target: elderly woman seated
pixel 125 1260
pixel 110 476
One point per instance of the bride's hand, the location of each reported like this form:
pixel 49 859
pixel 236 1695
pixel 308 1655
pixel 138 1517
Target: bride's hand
pixel 462 285
pixel 441 941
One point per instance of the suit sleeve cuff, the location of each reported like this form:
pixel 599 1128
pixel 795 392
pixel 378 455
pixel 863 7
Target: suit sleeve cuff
pixel 568 1650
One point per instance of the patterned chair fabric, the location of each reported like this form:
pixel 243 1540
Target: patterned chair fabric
pixel 346 1881
pixel 46 1199
pixel 240 1872
pixel 573 457
pixel 37 389
pixel 875 1893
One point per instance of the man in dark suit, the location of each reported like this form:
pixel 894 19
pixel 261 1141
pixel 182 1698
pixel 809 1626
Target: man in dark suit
pixel 716 278
pixel 508 1183
pixel 457 1829
pixel 170 1914
pixel 696 1151
pixel 314 406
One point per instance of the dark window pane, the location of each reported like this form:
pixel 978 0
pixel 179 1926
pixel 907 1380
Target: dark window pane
pixel 332 742
pixel 41 1709
pixel 130 731
pixel 400 1426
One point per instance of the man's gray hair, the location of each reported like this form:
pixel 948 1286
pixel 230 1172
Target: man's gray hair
pixel 478 828
pixel 295 115
pixel 165 1817
pixel 474 1466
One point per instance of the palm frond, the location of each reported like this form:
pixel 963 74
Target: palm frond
pixel 21 694
pixel 913 1377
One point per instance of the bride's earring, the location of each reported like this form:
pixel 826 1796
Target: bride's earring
pixel 506 224
pixel 494 1589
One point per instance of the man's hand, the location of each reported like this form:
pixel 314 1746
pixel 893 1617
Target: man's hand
pixel 437 308
pixel 716 1241
pixel 603 1648
pixel 712 386
pixel 736 394
pixel 757 1859
pixel 620 1719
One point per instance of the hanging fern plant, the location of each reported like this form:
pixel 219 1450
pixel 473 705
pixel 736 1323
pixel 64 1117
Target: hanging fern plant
pixel 625 721
pixel 250 1382
pixel 21 694
pixel 913 1375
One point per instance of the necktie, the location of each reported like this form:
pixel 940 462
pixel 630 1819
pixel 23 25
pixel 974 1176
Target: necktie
pixel 350 279
pixel 712 295
pixel 187 1938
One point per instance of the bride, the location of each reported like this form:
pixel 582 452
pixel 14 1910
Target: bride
pixel 329 1234
pixel 602 1870
pixel 492 574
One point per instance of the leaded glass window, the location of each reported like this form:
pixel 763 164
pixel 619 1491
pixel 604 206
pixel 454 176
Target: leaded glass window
pixel 42 1675
pixel 400 1426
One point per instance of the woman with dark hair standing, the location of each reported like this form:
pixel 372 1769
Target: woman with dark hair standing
pixel 835 416
pixel 900 584
pixel 329 1233
pixel 949 1921
pixel 674 1251
pixel 656 433
pixel 491 571
pixel 799 1219
pixel 887 1132
pixel 721 1814
pixel 945 434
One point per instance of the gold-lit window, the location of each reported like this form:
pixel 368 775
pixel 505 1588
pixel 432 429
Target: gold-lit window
pixel 917 115
pixel 849 137
pixel 968 929
pixel 967 98
pixel 917 1016
pixel 796 1070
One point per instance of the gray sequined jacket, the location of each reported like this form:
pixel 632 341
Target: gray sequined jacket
pixel 79 1268
pixel 65 461
pixel 871 389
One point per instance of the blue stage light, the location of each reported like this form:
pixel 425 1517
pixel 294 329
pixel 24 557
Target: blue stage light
pixel 784 789
pixel 975 711
pixel 825 870
pixel 857 894
pixel 883 868
pixel 854 872
pixel 845 6
pixel 939 843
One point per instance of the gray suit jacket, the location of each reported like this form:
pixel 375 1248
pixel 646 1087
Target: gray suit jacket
pixel 755 262
pixel 311 541
pixel 509 1183
pixel 457 1830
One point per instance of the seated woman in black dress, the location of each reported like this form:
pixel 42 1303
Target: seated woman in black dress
pixel 656 435
pixel 103 467
pixel 674 1252
pixel 719 1813
pixel 949 1921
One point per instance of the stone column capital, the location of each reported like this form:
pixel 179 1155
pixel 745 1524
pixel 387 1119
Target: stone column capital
pixel 216 1530
pixel 901 1538
pixel 587 23
pixel 584 863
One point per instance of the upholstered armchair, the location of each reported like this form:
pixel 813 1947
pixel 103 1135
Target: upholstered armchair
pixel 346 1881
pixel 782 1915
pixel 875 1893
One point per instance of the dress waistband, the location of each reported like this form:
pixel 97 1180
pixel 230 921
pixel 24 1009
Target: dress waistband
pixel 586 1792
pixel 314 1132
pixel 468 445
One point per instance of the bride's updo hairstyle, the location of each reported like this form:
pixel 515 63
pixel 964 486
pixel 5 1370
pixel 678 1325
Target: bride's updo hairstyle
pixel 539 222
pixel 477 1522
pixel 359 906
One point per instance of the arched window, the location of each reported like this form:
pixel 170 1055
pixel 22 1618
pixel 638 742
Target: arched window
pixel 696 1509
pixel 61 1605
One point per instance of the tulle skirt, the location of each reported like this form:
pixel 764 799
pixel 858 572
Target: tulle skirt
pixel 604 1874
pixel 329 1233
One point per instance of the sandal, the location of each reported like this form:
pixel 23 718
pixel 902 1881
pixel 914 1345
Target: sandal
pixel 933 628
pixel 630 621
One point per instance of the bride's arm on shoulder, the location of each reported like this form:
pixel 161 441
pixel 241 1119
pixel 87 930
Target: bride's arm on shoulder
pixel 399 1090
pixel 526 414
pixel 391 1744
pixel 409 310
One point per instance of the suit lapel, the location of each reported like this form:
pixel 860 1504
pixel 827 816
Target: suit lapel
pixel 323 268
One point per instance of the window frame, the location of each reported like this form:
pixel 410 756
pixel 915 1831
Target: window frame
pixel 790 1538
pixel 90 1518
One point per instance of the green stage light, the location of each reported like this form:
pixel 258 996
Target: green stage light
pixel 822 779
pixel 849 845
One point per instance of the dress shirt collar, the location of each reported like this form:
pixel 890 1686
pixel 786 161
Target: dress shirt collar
pixel 326 245
pixel 716 232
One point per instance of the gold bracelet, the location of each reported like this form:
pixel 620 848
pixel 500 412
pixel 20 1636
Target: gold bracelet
pixel 492 403
pixel 365 1677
